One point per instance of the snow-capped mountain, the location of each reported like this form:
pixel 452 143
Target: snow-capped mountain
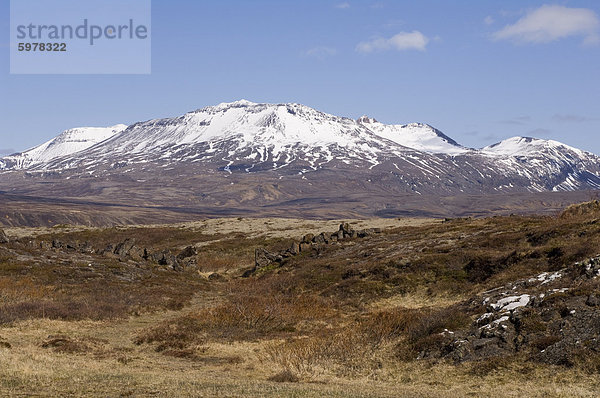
pixel 419 136
pixel 306 150
pixel 66 143
pixel 277 133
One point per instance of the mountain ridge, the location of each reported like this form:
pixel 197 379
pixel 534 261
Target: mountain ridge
pixel 251 157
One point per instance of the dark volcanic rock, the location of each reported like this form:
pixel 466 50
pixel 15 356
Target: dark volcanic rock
pixel 123 248
pixel 189 251
pixel 262 258
pixel 295 248
pixel 3 237
pixel 166 258
pixel 548 317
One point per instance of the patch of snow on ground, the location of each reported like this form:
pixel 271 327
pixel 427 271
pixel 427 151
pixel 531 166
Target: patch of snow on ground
pixel 512 302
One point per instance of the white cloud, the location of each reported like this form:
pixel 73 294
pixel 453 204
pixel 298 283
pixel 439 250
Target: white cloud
pixel 321 52
pixel 488 20
pixel 343 5
pixel 414 40
pixel 553 22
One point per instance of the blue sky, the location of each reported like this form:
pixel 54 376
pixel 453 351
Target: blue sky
pixel 480 71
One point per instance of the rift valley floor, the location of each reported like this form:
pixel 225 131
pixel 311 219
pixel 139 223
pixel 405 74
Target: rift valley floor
pixel 420 307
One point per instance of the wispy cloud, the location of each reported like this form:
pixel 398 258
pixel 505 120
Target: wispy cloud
pixel 488 20
pixel 321 52
pixel 343 5
pixel 414 40
pixel 553 22
pixel 568 118
pixel 517 121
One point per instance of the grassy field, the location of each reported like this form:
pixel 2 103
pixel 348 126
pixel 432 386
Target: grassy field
pixel 348 319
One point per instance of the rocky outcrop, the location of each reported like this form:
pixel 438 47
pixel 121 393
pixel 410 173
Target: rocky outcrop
pixel 552 317
pixel 167 259
pixel 264 258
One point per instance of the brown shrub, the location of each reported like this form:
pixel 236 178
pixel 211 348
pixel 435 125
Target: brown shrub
pixel 435 321
pixel 176 334
pixel 346 349
pixel 285 376
pixel 387 325
pixel 95 309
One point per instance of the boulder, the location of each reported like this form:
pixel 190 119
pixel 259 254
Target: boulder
pixel 304 246
pixel 295 248
pixel 123 248
pixel 136 253
pixel 3 237
pixel 166 258
pixel 262 258
pixel 319 239
pixel 308 238
pixel 189 251
pixel 345 227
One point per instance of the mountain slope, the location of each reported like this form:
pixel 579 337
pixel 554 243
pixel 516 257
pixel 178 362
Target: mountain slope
pixel 66 143
pixel 244 156
pixel 419 136
pixel 573 168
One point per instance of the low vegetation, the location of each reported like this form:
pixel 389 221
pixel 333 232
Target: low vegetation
pixel 378 316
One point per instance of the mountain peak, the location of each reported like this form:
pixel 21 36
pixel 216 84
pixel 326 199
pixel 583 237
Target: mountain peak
pixel 66 143
pixel 521 146
pixel 364 119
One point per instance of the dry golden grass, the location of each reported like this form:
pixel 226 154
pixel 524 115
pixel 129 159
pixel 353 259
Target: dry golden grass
pixel 344 321
pixel 113 365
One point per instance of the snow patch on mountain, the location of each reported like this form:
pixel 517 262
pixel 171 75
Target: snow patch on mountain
pixel 419 136
pixel 526 146
pixel 294 139
pixel 276 133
